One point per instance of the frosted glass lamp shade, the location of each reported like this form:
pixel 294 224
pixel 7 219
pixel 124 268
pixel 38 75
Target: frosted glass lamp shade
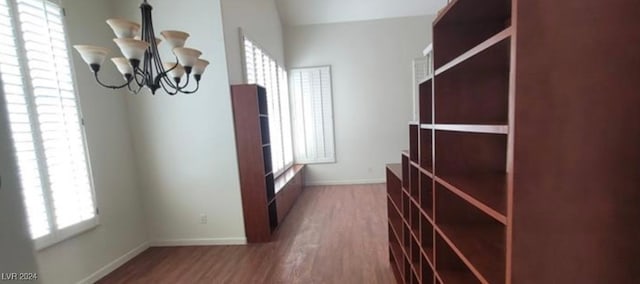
pixel 175 38
pixel 177 72
pixel 123 65
pixel 158 41
pixel 187 56
pixel 200 66
pixel 131 48
pixel 92 54
pixel 124 28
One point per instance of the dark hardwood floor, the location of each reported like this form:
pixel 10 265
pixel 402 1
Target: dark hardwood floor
pixel 334 234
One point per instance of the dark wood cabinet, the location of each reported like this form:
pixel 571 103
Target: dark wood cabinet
pixel 523 166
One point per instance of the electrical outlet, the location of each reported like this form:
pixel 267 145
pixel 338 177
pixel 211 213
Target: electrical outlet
pixel 204 219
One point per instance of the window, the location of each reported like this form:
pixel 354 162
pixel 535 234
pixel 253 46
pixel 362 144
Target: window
pixel 261 69
pixel 312 115
pixel 37 81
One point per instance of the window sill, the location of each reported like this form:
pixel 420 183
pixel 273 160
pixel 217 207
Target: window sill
pixel 60 236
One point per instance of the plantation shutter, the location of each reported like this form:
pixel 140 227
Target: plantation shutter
pixel 312 115
pixel 44 118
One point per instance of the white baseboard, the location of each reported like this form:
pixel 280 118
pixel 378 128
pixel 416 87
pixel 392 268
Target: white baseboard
pixel 104 271
pixel 199 242
pixel 345 182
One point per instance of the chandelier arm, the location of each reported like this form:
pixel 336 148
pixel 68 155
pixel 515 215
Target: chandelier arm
pixel 142 82
pixel 115 87
pixel 132 91
pixel 163 76
pixel 169 92
pixel 139 89
pixel 180 88
pixel 193 91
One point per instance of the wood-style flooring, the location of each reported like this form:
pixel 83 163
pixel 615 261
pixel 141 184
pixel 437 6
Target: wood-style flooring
pixel 334 234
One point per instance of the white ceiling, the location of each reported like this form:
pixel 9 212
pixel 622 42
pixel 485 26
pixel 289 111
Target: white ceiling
pixel 305 12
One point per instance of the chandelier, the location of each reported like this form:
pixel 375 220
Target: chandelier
pixel 141 65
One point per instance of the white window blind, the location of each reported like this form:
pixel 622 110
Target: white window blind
pixel 45 122
pixel 312 110
pixel 261 69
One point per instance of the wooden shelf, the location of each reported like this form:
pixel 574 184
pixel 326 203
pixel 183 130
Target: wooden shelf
pixel 396 169
pixel 273 216
pixel 416 256
pixel 426 240
pixel 394 185
pixel 413 141
pixel 427 270
pixel 414 181
pixel 395 266
pixel 477 239
pixel 264 130
pixel 465 11
pixel 405 171
pixel 471 128
pixel 425 101
pixel 428 253
pixel 264 203
pixel 415 219
pixel 476 91
pixel 263 109
pixel 449 267
pixel 497 38
pixel 254 161
pixel 426 195
pixel 530 163
pixel 426 148
pixel 487 192
pixel 395 217
pixel 395 249
pixel 482 246
pixel 406 240
pixel 465 24
pixel 456 277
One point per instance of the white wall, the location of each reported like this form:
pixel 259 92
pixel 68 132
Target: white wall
pixel 307 12
pixel 260 22
pixel 185 145
pixel 372 90
pixel 122 227
pixel 15 242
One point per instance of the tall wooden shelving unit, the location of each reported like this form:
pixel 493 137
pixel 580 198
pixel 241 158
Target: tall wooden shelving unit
pixel 266 199
pixel 257 185
pixel 523 166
